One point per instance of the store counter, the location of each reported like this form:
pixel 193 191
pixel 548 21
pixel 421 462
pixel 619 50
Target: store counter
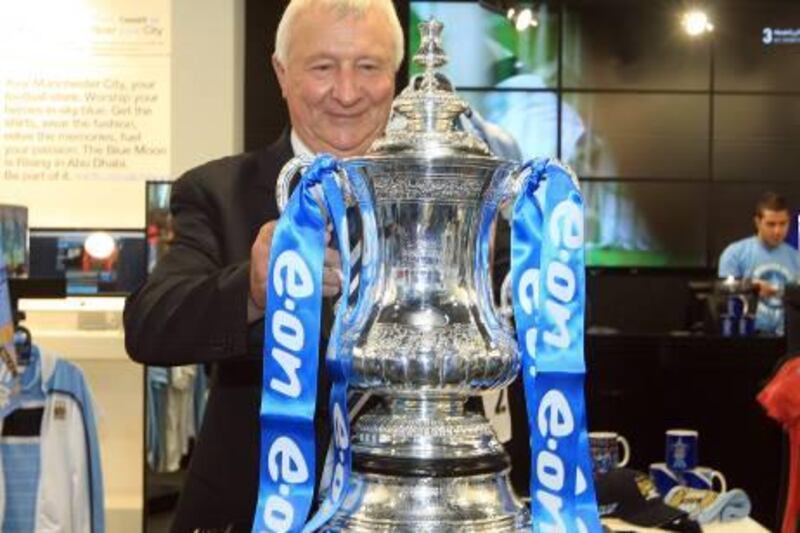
pixel 640 386
pixel 748 525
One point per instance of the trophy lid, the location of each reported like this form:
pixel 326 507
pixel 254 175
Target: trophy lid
pixel 424 115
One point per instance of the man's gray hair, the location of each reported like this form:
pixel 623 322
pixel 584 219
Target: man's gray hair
pixel 343 7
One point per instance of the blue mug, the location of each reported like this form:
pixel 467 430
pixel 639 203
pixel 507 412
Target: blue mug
pixel 681 449
pixel 605 449
pixel 737 319
pixel 703 477
pixel 663 478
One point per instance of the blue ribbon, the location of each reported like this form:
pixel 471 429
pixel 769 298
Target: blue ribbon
pixel 291 348
pixel 547 264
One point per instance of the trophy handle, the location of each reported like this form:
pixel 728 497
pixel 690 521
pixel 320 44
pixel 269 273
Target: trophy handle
pixel 504 188
pixel 294 168
pixel 358 192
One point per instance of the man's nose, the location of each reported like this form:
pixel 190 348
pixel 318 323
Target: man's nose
pixel 345 89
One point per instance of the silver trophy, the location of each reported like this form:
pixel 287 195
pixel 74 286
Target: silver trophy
pixel 426 334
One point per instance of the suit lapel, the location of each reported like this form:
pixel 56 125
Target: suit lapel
pixel 258 194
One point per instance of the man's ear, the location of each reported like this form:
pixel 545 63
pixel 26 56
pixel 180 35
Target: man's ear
pixel 280 73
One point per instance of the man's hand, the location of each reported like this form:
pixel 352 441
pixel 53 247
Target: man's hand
pixel 765 289
pixel 259 260
pixel 332 276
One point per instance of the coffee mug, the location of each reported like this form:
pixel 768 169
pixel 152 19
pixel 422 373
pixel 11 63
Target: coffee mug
pixel 703 477
pixel 604 446
pixel 663 478
pixel 681 449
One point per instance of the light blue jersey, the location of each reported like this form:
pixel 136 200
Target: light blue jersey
pixel 750 258
pixel 50 478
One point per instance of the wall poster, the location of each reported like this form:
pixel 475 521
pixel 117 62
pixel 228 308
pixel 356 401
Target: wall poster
pixel 84 108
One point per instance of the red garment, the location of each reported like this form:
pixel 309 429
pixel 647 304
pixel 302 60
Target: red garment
pixel 781 399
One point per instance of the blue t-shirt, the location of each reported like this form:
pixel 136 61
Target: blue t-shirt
pixel 751 258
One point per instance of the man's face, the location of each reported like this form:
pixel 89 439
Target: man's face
pixel 339 79
pixel 772 227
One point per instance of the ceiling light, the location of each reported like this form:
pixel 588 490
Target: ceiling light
pixel 696 23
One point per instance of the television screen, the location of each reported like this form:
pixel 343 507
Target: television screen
pixel 94 262
pixel 14 239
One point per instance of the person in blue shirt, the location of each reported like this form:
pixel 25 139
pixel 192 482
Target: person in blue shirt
pixel 767 260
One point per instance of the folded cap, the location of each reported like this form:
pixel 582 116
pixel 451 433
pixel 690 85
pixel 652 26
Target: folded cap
pixel 630 495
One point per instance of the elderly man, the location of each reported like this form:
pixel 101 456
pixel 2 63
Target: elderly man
pixel 335 61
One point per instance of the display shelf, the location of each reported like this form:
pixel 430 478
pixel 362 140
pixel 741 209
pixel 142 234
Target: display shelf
pixel 94 345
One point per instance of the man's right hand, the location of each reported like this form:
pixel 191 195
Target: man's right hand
pixel 766 289
pixel 259 261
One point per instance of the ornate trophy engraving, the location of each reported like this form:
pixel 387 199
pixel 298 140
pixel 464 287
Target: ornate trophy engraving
pixel 426 335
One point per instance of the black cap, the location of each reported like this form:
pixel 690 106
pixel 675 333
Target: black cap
pixel 630 495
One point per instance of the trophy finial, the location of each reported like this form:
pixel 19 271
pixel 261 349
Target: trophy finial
pixel 425 113
pixel 431 54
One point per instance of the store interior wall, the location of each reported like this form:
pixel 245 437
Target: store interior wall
pixel 207 81
pixel 201 107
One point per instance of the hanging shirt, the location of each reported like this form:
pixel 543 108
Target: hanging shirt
pixel 750 258
pixel 50 468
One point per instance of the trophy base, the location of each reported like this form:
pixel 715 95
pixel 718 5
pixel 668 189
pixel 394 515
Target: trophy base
pixel 427 466
pixel 381 503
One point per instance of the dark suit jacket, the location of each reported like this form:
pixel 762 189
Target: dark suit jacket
pixel 193 309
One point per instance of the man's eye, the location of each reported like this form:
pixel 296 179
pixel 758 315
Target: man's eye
pixel 324 67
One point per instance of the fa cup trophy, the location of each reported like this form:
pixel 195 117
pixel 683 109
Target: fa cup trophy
pixel 423 332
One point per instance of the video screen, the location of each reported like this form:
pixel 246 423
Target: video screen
pixel 158 220
pixel 635 135
pixel 504 57
pixel 631 45
pixel 757 47
pixel 645 224
pixel 651 119
pixel 93 262
pixel 14 239
pixel 530 117
pixel 757 137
